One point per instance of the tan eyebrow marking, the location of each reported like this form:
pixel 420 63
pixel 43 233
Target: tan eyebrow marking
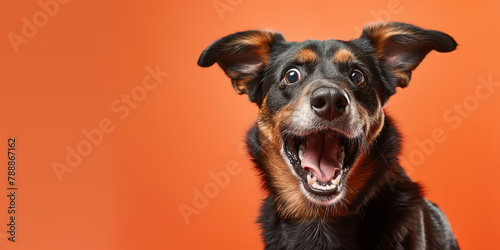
pixel 343 56
pixel 306 55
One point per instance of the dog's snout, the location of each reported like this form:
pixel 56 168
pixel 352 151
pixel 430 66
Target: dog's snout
pixel 329 103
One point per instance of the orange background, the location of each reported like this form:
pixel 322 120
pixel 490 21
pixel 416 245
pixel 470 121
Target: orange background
pixel 126 193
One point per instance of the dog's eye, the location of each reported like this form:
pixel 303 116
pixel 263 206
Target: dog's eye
pixel 357 77
pixel 292 76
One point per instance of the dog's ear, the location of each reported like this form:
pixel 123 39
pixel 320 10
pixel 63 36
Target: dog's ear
pixel 243 56
pixel 400 47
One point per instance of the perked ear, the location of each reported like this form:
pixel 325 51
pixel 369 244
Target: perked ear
pixel 243 56
pixel 400 47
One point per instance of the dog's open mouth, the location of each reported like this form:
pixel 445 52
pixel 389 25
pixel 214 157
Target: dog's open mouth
pixel 322 160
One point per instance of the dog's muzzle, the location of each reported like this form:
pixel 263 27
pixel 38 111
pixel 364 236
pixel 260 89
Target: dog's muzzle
pixel 319 146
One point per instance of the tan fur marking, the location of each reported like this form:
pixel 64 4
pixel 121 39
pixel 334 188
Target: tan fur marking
pixel 265 125
pixel 403 78
pixel 376 127
pixel 381 33
pixel 289 198
pixel 261 40
pixel 306 55
pixel 343 56
pixel 373 124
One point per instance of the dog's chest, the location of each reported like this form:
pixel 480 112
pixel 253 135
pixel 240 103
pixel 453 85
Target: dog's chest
pixel 321 235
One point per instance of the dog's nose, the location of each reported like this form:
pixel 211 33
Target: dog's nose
pixel 329 103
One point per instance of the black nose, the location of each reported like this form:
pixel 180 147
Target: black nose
pixel 329 103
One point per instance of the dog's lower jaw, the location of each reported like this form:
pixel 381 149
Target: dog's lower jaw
pixel 330 204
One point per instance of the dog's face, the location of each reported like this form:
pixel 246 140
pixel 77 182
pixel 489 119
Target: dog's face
pixel 320 105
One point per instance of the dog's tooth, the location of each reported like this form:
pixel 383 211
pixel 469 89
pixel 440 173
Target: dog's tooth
pixel 311 180
pixel 302 148
pixel 337 180
pixel 329 187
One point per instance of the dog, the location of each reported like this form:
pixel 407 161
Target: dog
pixel 326 150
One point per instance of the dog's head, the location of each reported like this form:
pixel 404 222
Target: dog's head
pixel 320 104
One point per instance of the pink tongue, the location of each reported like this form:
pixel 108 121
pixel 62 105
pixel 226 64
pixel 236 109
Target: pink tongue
pixel 320 156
